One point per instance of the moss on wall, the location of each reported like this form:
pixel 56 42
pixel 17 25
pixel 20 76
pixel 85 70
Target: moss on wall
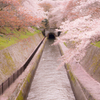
pixel 12 58
pixel 8 67
pixel 29 77
pixel 26 84
pixel 20 97
pixel 25 87
pixel 91 62
pixel 72 77
pixel 95 62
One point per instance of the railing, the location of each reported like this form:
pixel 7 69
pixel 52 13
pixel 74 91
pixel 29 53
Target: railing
pixel 15 75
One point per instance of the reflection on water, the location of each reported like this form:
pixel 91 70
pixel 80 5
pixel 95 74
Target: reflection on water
pixel 49 83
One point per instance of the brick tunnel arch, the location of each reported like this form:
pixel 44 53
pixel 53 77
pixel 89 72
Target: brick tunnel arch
pixel 51 36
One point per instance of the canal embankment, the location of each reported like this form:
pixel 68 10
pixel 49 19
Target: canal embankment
pixel 84 76
pixel 14 57
pixel 50 83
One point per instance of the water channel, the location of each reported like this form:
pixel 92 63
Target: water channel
pixel 49 83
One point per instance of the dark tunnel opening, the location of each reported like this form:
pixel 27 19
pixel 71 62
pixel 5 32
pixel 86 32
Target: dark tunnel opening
pixel 59 32
pixel 51 36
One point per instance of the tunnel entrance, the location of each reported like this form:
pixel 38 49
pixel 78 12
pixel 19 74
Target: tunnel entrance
pixel 51 36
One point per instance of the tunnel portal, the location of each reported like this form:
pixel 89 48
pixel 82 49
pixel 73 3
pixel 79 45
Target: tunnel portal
pixel 51 33
pixel 51 36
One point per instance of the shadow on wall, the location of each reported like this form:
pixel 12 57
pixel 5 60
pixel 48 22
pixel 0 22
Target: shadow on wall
pixel 43 32
pixel 59 32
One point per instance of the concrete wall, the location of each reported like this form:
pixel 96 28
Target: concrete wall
pixel 20 92
pixel 85 86
pixel 13 57
pixel 77 89
pixel 19 89
pixel 91 62
pixel 52 30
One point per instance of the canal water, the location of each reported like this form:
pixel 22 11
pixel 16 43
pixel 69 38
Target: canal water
pixel 49 83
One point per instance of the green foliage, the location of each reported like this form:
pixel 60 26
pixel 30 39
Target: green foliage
pixel 97 44
pixel 9 37
pixel 7 30
pixel 2 31
pixel 65 44
pixel 36 29
pixel 66 32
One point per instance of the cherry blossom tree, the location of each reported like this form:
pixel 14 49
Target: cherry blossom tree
pixel 80 26
pixel 14 13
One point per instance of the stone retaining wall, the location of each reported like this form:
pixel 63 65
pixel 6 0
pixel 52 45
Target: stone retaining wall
pixel 13 57
pixel 19 89
pixel 91 62
pixel 84 86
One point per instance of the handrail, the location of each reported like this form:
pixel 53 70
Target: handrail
pixel 15 75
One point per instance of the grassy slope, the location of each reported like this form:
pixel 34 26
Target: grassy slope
pixel 10 37
pixel 97 44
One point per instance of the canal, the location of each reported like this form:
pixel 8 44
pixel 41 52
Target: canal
pixel 49 83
